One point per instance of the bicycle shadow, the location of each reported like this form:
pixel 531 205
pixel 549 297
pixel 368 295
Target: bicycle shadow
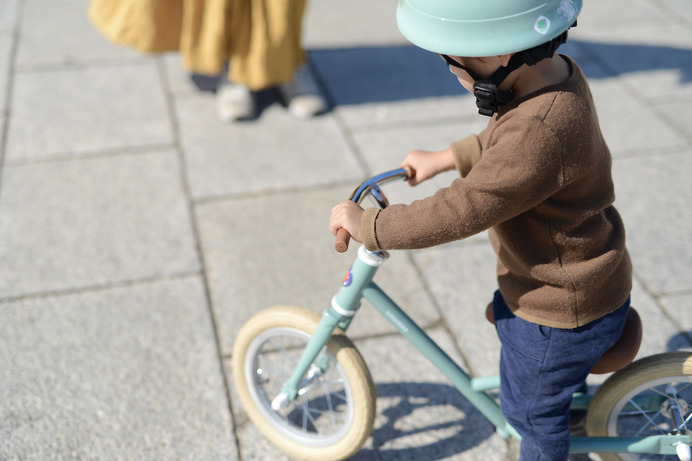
pixel 423 421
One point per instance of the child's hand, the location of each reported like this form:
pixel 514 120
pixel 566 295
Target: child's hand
pixel 346 215
pixel 422 164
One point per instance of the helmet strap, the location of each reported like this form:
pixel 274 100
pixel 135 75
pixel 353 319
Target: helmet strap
pixel 488 97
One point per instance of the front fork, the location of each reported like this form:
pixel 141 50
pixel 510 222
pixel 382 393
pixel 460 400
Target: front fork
pixel 344 306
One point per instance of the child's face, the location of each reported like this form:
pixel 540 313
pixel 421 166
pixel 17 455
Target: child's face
pixel 484 67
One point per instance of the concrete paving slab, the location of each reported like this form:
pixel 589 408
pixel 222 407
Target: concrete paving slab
pixel 597 16
pixel 74 111
pixel 659 236
pixel 276 151
pixel 654 62
pixel 677 308
pixel 419 414
pixel 385 148
pixel 461 277
pixel 679 115
pixel 59 33
pixel 334 24
pixel 411 111
pixel 676 9
pixel 8 15
pixel 123 373
pixel 277 250
pixel 662 331
pixel 619 112
pixel 2 132
pixel 91 222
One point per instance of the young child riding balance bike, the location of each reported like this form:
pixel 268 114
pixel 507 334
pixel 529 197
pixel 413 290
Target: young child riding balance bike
pixel 539 178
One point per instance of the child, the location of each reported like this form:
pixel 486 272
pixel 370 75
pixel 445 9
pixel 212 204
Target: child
pixel 539 177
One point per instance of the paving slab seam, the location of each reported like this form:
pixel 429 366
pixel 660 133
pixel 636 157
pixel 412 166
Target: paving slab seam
pixel 398 125
pixel 58 157
pixel 443 322
pixel 333 109
pixel 208 298
pixel 670 13
pixel 349 138
pixel 656 109
pixel 273 192
pixel 626 154
pixel 67 65
pixel 99 287
pixel 9 84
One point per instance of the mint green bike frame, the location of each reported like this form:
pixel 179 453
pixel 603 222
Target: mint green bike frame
pixel 358 284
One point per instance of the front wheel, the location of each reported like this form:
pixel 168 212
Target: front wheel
pixel 334 411
pixel 651 396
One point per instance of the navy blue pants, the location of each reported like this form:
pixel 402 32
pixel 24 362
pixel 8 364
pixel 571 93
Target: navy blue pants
pixel 540 368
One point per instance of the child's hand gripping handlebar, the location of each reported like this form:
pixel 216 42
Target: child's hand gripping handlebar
pixel 369 187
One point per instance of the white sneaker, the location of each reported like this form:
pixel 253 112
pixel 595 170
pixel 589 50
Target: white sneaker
pixel 302 96
pixel 234 102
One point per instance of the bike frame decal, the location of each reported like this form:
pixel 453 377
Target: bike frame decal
pixel 348 278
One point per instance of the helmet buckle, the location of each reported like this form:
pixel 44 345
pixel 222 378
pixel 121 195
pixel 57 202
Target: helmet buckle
pixel 488 97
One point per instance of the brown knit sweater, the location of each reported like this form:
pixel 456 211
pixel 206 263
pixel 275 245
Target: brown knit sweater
pixel 539 177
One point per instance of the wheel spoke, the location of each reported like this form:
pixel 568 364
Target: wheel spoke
pixel 328 397
pixel 282 359
pixel 315 411
pixel 661 393
pixel 645 415
pixel 687 420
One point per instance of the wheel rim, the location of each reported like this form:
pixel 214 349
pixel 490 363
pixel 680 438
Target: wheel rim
pixel 322 413
pixel 647 410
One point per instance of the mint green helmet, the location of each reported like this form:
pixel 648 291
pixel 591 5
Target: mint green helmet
pixel 484 27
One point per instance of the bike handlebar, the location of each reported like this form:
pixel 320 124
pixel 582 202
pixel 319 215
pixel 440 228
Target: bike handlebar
pixel 372 187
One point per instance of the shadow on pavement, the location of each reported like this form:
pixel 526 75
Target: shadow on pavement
pixel 394 73
pixel 423 421
pixel 679 342
pixel 381 74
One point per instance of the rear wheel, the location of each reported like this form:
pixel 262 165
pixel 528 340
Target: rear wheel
pixel 334 411
pixel 652 396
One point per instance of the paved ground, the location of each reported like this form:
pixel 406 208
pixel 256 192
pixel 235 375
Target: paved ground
pixel 137 233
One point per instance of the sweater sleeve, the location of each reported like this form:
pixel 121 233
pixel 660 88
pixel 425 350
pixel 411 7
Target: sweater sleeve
pixel 467 152
pixel 367 229
pixel 514 175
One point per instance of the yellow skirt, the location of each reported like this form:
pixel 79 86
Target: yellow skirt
pixel 259 38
